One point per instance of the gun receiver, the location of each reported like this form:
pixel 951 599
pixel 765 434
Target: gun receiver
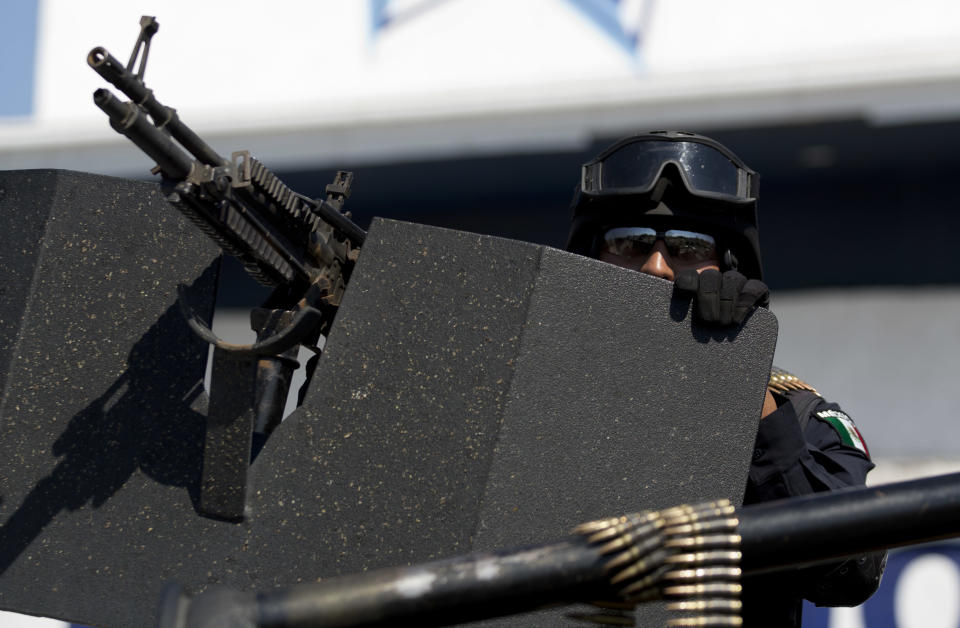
pixel 304 249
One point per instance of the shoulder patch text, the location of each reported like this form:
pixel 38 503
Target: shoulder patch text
pixel 849 434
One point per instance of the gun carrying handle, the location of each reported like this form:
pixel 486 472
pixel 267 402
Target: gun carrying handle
pixel 304 322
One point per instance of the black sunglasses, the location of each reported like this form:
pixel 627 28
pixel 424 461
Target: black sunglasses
pixel 687 246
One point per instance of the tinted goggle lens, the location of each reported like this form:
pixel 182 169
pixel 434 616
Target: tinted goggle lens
pixel 688 246
pixel 637 166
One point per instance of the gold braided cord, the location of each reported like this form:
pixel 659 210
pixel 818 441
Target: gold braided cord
pixel 782 381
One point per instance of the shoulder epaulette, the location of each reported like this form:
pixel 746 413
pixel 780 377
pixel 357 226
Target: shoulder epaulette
pixel 782 381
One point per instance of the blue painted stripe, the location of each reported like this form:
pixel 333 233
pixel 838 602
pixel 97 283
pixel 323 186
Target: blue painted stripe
pixel 603 13
pixel 18 56
pixel 382 17
pixel 378 16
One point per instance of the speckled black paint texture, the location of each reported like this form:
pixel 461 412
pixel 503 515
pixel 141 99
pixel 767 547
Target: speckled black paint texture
pixel 99 450
pixel 475 393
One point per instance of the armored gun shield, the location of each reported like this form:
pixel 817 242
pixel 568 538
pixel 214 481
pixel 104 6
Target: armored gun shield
pixel 474 393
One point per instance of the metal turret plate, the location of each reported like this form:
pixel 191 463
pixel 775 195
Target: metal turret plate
pixel 475 393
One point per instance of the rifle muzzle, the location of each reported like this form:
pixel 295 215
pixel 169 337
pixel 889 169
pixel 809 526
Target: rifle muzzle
pixel 110 68
pixel 107 66
pixel 127 119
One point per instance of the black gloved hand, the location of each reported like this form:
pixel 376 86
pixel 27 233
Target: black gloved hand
pixel 722 299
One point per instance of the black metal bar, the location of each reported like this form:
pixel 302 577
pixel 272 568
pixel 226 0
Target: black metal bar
pixel 274 372
pixel 226 449
pixel 473 587
pixel 440 593
pixel 817 528
pixel 823 527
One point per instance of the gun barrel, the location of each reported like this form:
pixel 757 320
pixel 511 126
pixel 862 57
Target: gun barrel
pixel 822 527
pixel 107 66
pixel 441 593
pixel 776 535
pixel 347 227
pixel 126 118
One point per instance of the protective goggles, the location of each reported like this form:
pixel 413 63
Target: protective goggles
pixel 634 165
pixel 687 246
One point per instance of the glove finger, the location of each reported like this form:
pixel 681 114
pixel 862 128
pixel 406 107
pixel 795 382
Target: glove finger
pixel 754 294
pixel 731 284
pixel 687 281
pixel 759 291
pixel 708 296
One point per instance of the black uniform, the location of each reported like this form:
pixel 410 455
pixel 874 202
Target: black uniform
pixel 650 183
pixel 806 446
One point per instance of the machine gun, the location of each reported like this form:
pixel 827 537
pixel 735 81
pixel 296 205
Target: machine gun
pixel 692 557
pixel 304 249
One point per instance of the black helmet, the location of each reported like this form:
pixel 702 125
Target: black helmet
pixel 670 178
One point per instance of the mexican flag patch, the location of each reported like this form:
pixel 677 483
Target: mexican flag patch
pixel 849 434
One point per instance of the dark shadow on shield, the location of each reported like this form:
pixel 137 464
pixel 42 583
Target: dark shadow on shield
pixel 144 421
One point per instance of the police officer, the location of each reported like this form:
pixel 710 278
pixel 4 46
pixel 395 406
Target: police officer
pixel 683 207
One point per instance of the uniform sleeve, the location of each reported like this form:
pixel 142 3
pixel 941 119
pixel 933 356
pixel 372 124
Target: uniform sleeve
pixel 788 462
pixel 797 453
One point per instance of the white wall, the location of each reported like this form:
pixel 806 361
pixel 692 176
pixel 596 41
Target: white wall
pixel 317 82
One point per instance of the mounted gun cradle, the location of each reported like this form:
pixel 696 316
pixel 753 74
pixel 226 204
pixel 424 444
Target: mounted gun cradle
pixel 304 249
